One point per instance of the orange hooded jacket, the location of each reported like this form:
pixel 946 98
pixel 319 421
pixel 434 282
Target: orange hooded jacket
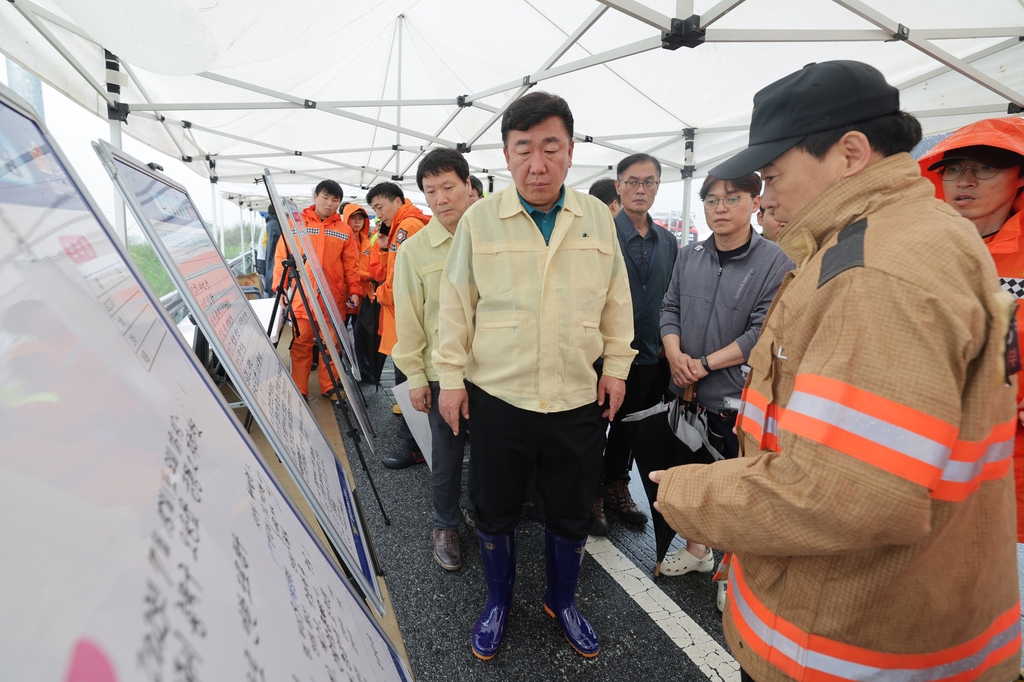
pixel 407 221
pixel 363 240
pixel 338 251
pixel 1005 246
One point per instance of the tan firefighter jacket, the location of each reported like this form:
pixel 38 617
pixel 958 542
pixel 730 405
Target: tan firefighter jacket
pixel 872 508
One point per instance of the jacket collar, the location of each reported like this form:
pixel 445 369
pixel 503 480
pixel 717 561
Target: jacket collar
pixel 1007 239
pixel 437 233
pixel 627 229
pixel 894 178
pixel 510 203
pixel 709 244
pixel 309 214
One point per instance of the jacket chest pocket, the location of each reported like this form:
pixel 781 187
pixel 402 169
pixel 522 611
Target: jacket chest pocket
pixel 589 271
pixel 500 267
pixel 504 347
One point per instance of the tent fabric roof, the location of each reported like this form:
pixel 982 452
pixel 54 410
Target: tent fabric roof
pixel 311 89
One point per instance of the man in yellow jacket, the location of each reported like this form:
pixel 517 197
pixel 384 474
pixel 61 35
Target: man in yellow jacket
pixel 871 511
pixel 534 292
pixel 443 177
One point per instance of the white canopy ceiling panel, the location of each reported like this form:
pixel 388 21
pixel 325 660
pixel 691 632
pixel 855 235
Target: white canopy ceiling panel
pixel 325 79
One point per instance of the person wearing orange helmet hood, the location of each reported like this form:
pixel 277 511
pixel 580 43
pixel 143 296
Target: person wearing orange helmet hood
pixel 979 171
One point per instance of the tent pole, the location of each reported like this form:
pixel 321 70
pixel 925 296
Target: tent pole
pixel 398 121
pixel 213 208
pixel 114 119
pixel 688 167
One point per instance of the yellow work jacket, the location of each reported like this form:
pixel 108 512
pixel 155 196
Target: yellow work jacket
pixel 526 320
pixel 417 282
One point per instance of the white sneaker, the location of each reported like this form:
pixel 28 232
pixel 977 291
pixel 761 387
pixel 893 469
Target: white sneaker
pixel 681 562
pixel 721 594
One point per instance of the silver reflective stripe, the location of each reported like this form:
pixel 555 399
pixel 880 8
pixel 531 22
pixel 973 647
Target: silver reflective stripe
pixel 753 413
pixel 857 672
pixel 771 426
pixel 965 472
pixel 870 428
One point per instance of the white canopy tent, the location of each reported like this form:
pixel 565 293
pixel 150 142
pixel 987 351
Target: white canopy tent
pixel 358 91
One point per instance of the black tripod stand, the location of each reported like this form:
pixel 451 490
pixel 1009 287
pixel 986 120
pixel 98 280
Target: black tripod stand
pixel 289 272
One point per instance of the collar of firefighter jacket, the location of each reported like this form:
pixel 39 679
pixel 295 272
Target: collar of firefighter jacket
pixel 894 178
pixel 436 232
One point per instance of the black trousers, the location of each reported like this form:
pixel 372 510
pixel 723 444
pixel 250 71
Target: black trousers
pixel 729 445
pixel 645 386
pixel 509 443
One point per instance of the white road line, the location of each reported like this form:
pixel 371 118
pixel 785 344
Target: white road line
pixel 705 652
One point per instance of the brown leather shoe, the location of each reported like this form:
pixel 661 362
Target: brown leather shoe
pixel 446 549
pixel 619 500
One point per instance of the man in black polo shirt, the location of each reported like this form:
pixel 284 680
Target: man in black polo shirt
pixel 650 254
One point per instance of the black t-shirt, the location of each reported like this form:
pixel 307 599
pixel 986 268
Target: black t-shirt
pixel 723 256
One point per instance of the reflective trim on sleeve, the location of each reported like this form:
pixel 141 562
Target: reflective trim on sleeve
pixel 813 658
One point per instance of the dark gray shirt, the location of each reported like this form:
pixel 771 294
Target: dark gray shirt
pixel 642 248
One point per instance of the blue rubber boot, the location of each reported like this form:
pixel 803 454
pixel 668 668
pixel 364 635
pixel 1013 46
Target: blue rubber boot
pixel 498 555
pixel 564 558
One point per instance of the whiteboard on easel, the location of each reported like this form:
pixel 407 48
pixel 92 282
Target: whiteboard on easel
pixel 143 536
pixel 165 212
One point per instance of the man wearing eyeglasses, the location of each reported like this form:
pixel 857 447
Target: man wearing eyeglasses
pixel 711 318
pixel 979 171
pixel 649 251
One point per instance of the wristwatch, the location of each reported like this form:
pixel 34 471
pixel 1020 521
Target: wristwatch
pixel 704 361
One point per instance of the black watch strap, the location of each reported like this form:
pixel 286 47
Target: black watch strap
pixel 704 361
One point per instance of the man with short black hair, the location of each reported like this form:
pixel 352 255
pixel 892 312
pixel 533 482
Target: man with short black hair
pixel 533 293
pixel 769 224
pixel 404 220
pixel 338 251
pixel 871 512
pixel 604 189
pixel 649 251
pixel 476 192
pixel 443 177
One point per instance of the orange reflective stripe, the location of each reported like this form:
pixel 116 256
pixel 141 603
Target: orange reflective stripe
pixel 814 658
pixel 750 418
pixel 974 462
pixel 893 437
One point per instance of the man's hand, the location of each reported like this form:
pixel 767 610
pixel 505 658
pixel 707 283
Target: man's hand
pixel 353 301
pixel 697 368
pixel 679 364
pixel 451 403
pixel 615 390
pixel 420 398
pixel 656 477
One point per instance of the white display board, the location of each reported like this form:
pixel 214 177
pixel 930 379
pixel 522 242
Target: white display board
pixel 296 230
pixel 143 537
pixel 169 218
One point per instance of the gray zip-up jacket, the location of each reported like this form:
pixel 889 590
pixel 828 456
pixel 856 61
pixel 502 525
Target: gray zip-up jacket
pixel 709 306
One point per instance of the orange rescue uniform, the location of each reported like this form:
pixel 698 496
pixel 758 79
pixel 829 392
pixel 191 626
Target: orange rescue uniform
pixel 1005 247
pixel 407 221
pixel 338 251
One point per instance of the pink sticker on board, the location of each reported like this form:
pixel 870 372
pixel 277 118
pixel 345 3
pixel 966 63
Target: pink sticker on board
pixel 89 664
pixel 77 247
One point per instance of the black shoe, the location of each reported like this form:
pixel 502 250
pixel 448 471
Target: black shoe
pixel 403 459
pixel 619 500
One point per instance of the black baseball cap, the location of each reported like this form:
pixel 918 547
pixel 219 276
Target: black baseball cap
pixel 997 157
pixel 819 97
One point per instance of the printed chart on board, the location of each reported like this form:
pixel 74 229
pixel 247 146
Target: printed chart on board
pixel 325 301
pixel 142 536
pixel 169 218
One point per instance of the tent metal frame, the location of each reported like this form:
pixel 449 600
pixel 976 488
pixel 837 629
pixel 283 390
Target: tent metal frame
pixel 701 27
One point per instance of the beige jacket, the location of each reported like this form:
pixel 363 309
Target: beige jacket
pixel 526 321
pixel 417 282
pixel 872 509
